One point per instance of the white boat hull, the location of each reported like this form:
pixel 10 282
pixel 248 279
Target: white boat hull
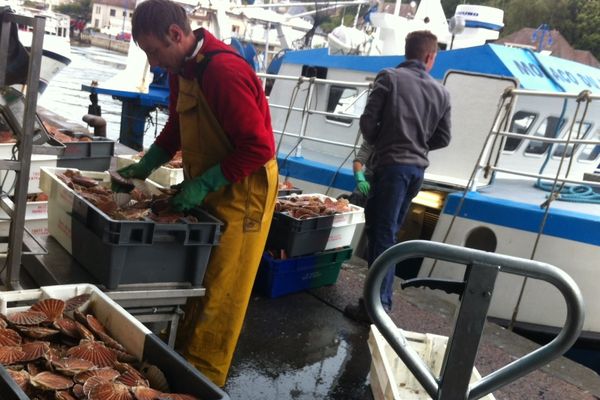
pixel 541 306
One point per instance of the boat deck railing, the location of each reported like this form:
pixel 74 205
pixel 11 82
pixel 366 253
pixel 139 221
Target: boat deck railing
pixel 488 162
pixel 308 110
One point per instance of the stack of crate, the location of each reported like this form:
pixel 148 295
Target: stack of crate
pixel 306 253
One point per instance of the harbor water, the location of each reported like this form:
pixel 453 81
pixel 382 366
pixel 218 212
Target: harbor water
pixel 64 96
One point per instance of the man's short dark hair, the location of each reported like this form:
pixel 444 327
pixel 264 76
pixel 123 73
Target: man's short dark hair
pixel 419 44
pixel 156 16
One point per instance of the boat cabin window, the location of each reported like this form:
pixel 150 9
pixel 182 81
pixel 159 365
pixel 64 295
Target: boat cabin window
pixel 579 130
pixel 344 100
pixel 311 71
pixel 521 123
pixel 549 128
pixel 591 152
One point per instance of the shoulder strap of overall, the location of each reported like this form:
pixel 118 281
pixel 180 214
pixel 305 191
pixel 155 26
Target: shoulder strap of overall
pixel 203 64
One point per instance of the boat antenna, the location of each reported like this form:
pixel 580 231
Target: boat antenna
pixel 542 36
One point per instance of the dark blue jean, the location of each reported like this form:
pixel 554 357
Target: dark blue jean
pixel 392 190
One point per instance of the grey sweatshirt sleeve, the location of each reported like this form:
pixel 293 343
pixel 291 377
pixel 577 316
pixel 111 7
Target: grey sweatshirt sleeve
pixel 370 120
pixel 441 136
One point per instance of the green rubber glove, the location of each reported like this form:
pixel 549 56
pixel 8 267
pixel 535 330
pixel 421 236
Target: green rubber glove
pixel 194 191
pixel 361 183
pixel 154 158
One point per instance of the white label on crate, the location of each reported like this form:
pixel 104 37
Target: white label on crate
pixel 40 209
pixel 64 228
pixel 311 275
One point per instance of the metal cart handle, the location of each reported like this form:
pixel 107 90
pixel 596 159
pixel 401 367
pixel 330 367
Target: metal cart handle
pixel 513 265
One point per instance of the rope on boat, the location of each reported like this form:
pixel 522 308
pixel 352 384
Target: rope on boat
pixel 568 192
pixel 282 170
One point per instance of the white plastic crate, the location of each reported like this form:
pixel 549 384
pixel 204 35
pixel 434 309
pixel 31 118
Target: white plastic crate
pixel 390 378
pixel 36 219
pixel 163 176
pixel 37 162
pixel 59 194
pixel 123 327
pixel 60 227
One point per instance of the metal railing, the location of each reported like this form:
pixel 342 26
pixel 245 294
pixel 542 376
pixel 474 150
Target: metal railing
pixel 476 294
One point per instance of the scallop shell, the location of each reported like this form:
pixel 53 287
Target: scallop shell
pixel 106 373
pixel 50 381
pixel 75 302
pixel 11 354
pixel 34 368
pixel 155 376
pixel 80 317
pixel 37 332
pixel 110 342
pixel 67 327
pixel 132 378
pixel 124 357
pixel 94 324
pixel 78 391
pixel 63 395
pixel 3 323
pixel 110 391
pixel 54 354
pixel 145 393
pixel 35 350
pixel 84 332
pixel 71 366
pixel 91 383
pixel 8 337
pixel 21 378
pixel 27 318
pixel 53 308
pixel 95 352
pixel 177 396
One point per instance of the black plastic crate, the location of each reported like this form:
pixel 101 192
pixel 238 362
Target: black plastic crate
pixel 85 164
pixel 98 147
pixel 121 252
pixel 287 192
pixel 299 237
pixel 94 155
pixel 167 259
pixel 147 232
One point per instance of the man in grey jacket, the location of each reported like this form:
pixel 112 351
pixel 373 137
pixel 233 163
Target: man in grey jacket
pixel 407 115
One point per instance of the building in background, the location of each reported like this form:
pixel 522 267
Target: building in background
pixel 112 17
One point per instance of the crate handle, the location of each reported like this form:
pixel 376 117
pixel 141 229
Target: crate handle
pixel 488 263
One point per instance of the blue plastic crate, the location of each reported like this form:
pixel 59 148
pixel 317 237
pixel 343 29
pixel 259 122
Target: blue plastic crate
pixel 278 277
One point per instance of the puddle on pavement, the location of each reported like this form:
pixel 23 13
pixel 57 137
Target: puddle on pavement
pixel 298 348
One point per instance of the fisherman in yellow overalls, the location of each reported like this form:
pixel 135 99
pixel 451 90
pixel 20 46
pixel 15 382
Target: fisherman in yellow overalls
pixel 219 117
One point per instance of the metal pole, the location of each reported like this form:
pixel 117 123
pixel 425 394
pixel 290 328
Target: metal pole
pixel 17 226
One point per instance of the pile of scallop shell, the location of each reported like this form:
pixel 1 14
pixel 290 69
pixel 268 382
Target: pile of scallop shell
pixel 53 351
pixel 308 206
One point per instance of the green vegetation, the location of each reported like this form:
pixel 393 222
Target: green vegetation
pixel 77 10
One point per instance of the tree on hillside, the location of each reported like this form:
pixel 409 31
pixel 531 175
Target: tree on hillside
pixel 587 22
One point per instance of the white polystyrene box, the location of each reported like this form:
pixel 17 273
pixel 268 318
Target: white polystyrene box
pixel 390 378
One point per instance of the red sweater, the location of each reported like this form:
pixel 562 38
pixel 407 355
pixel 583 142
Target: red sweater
pixel 236 98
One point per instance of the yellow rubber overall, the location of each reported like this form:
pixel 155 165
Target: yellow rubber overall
pixel 210 329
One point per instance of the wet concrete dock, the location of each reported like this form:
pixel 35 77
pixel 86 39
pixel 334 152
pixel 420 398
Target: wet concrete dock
pixel 301 346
